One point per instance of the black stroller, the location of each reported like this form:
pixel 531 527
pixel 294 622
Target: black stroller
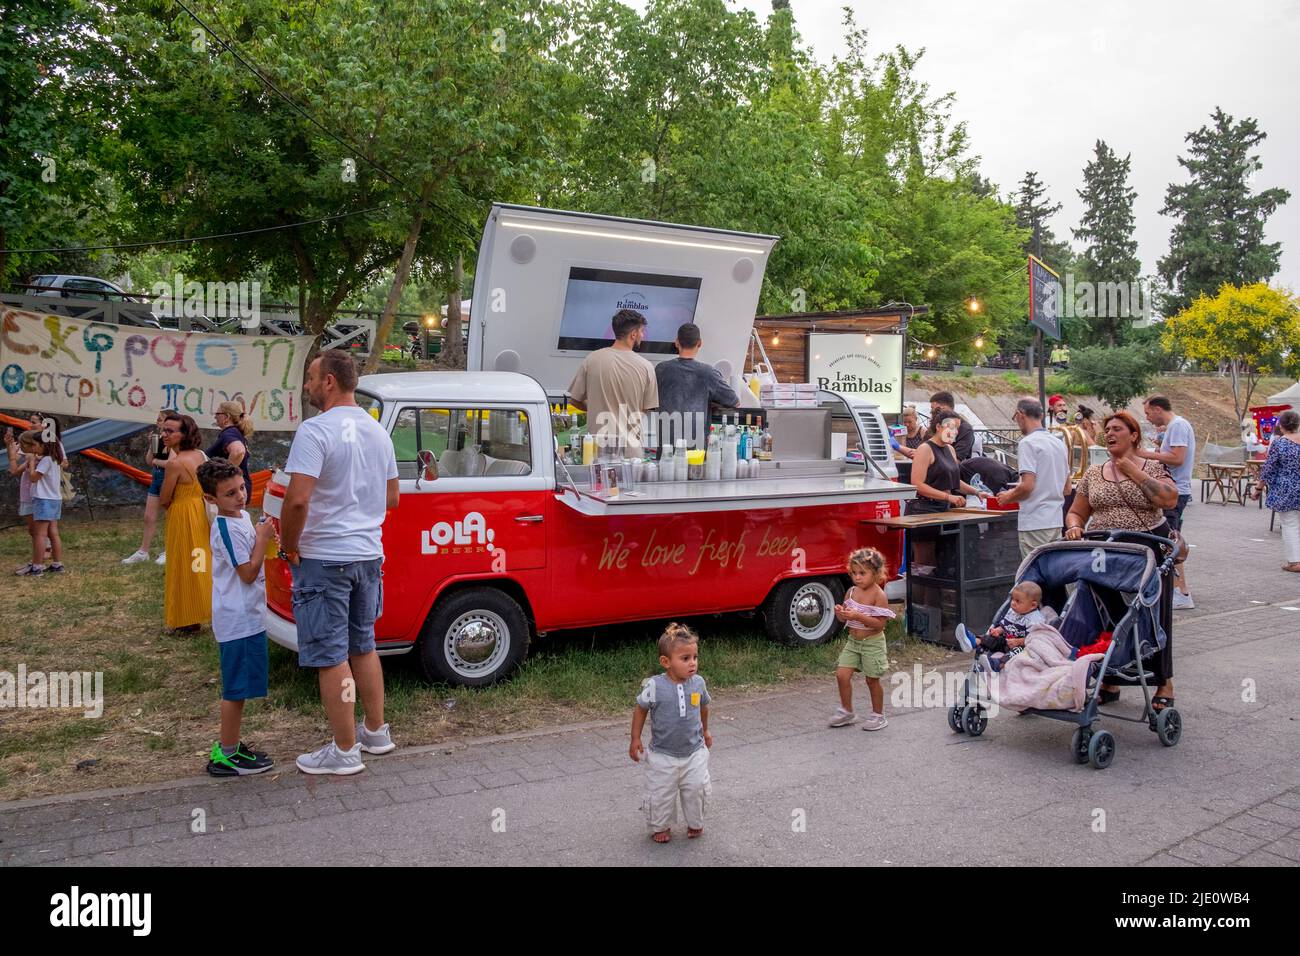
pixel 1110 581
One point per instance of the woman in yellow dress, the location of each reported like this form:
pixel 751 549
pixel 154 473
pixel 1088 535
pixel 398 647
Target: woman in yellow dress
pixel 187 601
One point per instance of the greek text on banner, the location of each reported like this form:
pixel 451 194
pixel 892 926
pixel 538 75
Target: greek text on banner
pixel 61 365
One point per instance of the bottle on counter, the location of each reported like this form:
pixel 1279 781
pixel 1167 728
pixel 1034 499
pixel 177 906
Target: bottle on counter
pixel 713 457
pixel 681 466
pixel 666 464
pixel 730 446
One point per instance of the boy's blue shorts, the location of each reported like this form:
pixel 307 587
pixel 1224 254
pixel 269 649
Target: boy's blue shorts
pixel 156 483
pixel 243 667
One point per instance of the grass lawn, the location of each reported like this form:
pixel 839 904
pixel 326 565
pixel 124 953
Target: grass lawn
pixel 161 691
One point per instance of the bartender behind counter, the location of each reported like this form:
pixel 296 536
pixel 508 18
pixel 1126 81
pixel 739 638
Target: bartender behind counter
pixel 686 388
pixel 614 385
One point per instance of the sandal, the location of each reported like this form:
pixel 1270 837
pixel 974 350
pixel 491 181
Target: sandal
pixel 1293 566
pixel 1160 703
pixel 663 836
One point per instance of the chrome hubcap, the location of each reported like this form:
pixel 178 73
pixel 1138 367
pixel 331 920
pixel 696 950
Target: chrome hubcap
pixel 812 605
pixel 477 642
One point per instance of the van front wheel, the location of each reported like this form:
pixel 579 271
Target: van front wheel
pixel 802 611
pixel 473 638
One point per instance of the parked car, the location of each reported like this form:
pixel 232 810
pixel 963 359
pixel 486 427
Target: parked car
pixel 133 309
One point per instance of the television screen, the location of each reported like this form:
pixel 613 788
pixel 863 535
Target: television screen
pixel 594 295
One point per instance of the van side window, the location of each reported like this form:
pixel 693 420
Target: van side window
pixel 467 442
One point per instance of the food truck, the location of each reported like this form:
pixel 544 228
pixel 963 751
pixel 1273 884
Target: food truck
pixel 501 537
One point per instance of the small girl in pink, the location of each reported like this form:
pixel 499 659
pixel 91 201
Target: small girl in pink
pixel 864 612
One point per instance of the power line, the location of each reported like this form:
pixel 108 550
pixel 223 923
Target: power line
pixel 219 235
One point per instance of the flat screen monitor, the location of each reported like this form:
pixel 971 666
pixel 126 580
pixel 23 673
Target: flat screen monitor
pixel 594 295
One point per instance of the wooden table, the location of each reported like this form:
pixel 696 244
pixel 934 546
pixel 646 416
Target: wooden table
pixel 1226 481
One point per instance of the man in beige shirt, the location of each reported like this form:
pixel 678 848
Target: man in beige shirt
pixel 615 385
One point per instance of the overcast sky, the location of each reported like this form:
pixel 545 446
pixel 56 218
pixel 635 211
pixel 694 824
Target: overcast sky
pixel 1038 83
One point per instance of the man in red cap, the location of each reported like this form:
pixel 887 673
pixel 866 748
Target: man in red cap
pixel 1059 411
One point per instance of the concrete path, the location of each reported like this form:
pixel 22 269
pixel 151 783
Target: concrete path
pixel 788 790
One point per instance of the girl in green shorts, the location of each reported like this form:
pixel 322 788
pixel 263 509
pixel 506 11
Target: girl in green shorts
pixel 864 612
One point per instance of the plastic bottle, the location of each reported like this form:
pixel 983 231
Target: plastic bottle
pixel 713 457
pixel 681 467
pixel 974 501
pixel 588 449
pixel 667 467
pixel 730 445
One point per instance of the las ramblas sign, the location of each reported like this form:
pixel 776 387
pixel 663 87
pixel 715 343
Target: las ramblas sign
pixel 844 363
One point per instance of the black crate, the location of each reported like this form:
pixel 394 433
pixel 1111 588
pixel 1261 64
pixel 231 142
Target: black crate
pixel 935 609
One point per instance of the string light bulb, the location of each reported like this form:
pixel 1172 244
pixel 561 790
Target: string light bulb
pixel 868 338
pixel 973 305
pixel 776 338
pixel 979 342
pixel 931 353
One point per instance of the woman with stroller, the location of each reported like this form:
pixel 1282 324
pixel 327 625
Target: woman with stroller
pixel 1129 493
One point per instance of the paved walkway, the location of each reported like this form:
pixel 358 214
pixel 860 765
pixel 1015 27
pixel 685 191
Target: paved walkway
pixel 786 788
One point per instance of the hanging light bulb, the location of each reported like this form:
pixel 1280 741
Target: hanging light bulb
pixel 979 342
pixel 973 305
pixel 931 352
pixel 816 357
pixel 868 338
pixel 776 338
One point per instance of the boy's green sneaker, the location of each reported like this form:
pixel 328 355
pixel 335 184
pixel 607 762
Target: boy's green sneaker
pixel 242 762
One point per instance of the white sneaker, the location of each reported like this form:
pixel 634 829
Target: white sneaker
pixel 330 759
pixel 162 558
pixel 374 741
pixel 1183 602
pixel 965 639
pixel 842 718
pixel 137 558
pixel 875 722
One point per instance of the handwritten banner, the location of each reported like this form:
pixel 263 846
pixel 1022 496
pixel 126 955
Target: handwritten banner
pixel 61 365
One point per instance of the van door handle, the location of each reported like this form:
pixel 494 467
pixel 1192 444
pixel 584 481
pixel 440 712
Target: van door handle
pixel 529 519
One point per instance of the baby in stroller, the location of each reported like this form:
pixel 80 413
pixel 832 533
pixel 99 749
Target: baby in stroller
pixel 1006 638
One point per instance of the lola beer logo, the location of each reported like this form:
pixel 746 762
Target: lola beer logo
pixel 470 533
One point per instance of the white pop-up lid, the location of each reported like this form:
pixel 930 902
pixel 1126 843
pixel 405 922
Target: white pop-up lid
pixel 548 284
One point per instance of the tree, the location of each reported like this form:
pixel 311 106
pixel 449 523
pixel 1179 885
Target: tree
pixel 1115 375
pixel 53 60
pixel 401 120
pixel 1110 254
pixel 1219 235
pixel 1033 209
pixel 1255 329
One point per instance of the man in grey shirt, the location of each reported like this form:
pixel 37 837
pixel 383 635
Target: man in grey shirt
pixel 686 387
pixel 1178 454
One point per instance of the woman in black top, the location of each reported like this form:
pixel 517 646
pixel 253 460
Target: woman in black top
pixel 232 443
pixel 936 472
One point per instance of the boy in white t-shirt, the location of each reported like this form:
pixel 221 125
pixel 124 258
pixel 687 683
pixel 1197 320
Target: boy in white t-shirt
pixel 238 610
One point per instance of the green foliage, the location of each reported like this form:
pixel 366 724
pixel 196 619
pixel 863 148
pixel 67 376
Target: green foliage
pixel 1115 375
pixel 1219 235
pixel 1012 379
pixel 1254 329
pixel 1110 255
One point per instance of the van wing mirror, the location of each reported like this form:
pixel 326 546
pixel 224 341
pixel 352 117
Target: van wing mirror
pixel 426 467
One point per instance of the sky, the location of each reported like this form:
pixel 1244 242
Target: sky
pixel 1038 83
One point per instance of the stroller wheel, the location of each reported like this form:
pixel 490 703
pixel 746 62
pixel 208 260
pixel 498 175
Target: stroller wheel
pixel 1079 744
pixel 974 720
pixel 1169 726
pixel 1101 749
pixel 954 720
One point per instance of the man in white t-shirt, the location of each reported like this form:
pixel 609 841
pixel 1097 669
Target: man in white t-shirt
pixel 1044 480
pixel 1177 453
pixel 343 481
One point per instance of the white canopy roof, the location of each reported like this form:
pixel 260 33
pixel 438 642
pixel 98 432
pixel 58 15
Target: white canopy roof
pixel 1291 395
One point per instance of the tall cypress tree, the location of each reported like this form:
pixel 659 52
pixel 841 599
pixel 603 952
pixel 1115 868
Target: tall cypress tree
pixel 1033 208
pixel 1110 255
pixel 1219 236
